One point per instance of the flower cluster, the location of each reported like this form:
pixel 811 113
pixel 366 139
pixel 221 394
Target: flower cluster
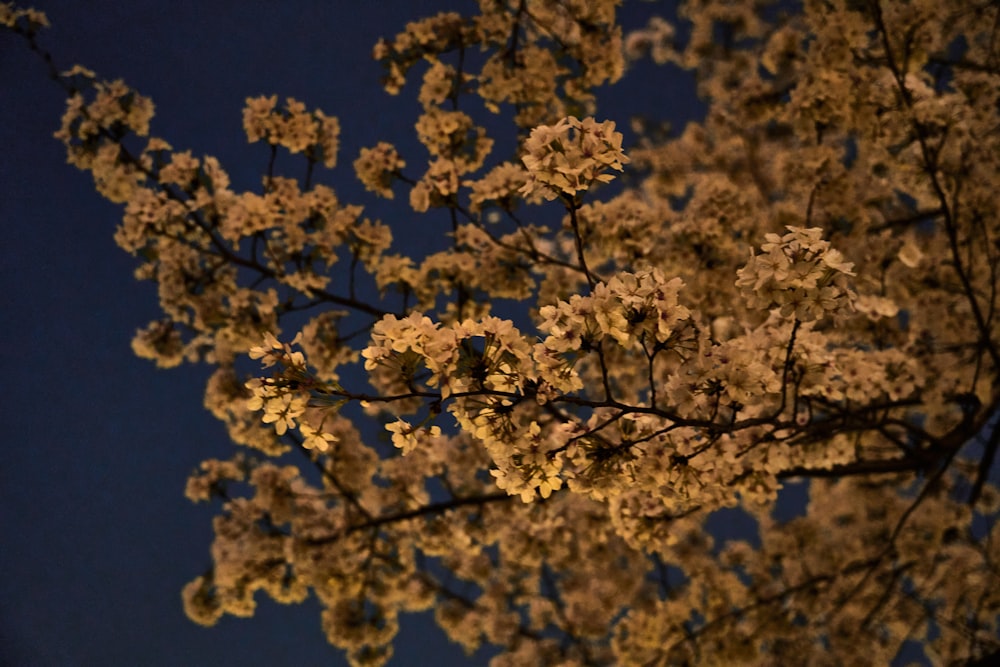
pixel 406 437
pixel 570 156
pixel 484 369
pixel 282 398
pixel 800 274
pixel 293 127
pixel 415 342
pixel 377 166
pixel 89 131
pixel 630 308
pixel 499 185
pixel 458 148
pixel 11 16
pixel 212 475
pixel 421 39
pixel 161 341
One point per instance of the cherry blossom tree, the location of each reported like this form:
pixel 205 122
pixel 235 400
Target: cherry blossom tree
pixel 800 290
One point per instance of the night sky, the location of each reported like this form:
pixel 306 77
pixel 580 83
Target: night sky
pixel 98 538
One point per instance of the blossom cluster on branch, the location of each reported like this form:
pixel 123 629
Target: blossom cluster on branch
pixel 612 342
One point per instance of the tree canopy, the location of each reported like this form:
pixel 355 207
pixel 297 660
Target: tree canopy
pixel 529 427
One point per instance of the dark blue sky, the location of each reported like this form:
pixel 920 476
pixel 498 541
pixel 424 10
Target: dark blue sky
pixel 98 538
